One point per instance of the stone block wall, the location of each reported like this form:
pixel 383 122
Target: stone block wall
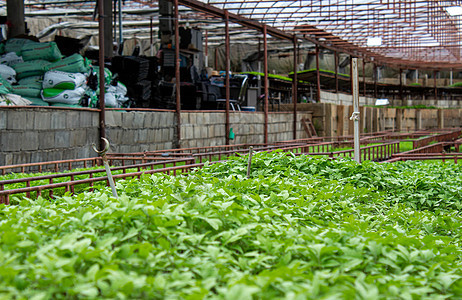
pixel 47 134
pixel 34 135
pixel 137 131
pixel 201 129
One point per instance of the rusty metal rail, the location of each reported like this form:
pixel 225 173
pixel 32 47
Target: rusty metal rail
pixel 443 157
pixel 442 137
pixel 56 165
pixel 70 185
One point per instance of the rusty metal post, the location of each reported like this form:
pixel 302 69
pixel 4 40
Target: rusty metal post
pixel 401 95
pixel 265 63
pixel 318 76
pixel 295 88
pixel 227 60
pixel 216 58
pixel 364 78
pixel 376 75
pixel 102 111
pixel 336 71
pixel 206 48
pixel 151 34
pixel 177 74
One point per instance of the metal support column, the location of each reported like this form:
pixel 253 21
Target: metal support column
pixel 295 88
pixel 355 116
pixel 376 75
pixel 265 65
pixel 336 71
pixel 102 111
pixel 15 14
pixel 227 60
pixel 364 78
pixel 177 74
pixel 108 38
pixel 434 84
pixel 318 77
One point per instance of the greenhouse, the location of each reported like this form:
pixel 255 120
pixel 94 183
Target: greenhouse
pixel 230 149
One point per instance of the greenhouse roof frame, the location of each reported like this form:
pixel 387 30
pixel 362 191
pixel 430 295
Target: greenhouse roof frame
pixel 412 33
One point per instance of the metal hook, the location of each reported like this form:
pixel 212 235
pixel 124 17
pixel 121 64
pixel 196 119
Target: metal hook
pixel 106 148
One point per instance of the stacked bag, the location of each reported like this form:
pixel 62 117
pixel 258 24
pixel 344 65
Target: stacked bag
pixel 37 72
pixel 115 91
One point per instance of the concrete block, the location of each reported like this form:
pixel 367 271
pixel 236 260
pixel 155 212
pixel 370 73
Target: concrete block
pixel 168 145
pixel 62 139
pixel 78 138
pixel 128 119
pixel 72 120
pixel 189 133
pixel 204 132
pixel 192 118
pixel 157 135
pixel 138 121
pixel 148 120
pixel 54 155
pixel 205 118
pixel 42 121
pixel 124 148
pixel 11 140
pixel 22 157
pixel 30 140
pixel 17 120
pixel 171 134
pixel 151 136
pixel 85 119
pixel 58 120
pixel 142 136
pixel 94 117
pixel 8 158
pixel 46 140
pixel 211 131
pixel 92 136
pixel 3 119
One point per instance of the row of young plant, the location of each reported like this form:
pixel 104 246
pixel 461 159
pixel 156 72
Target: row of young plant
pixel 298 228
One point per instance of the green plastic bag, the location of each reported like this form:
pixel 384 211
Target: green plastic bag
pixel 63 96
pixel 31 79
pixel 30 68
pixel 29 90
pixel 15 45
pixel 65 104
pixel 5 86
pixel 72 64
pixel 107 75
pixel 46 51
pixel 37 101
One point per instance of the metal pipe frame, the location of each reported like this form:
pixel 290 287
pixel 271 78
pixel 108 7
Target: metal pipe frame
pixel 295 87
pixel 228 69
pixel 102 90
pixel 177 74
pixel 265 66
